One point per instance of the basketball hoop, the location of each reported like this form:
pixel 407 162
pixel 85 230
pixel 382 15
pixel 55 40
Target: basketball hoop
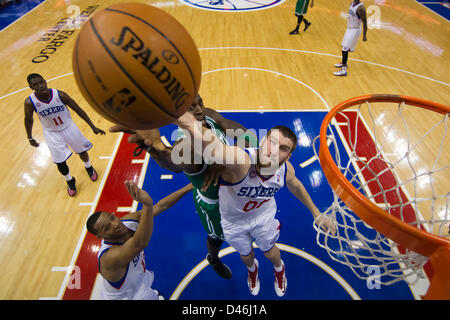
pixel 390 188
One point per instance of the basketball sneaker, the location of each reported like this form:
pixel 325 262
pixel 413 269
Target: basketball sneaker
pixel 307 25
pixel 92 173
pixel 219 267
pixel 253 280
pixel 341 73
pixel 160 296
pixel 280 283
pixel 295 31
pixel 71 189
pixel 338 65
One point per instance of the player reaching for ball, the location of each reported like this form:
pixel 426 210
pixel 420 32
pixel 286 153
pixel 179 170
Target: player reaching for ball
pixel 203 176
pixel 249 181
pixel 58 127
pixel 136 65
pixel 121 259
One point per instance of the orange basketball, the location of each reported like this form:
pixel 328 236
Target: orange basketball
pixel 136 65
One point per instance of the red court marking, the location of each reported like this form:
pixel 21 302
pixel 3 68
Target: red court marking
pixel 386 179
pixel 114 194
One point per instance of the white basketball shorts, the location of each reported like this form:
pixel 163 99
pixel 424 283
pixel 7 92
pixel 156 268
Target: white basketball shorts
pixel 145 291
pixel 350 39
pixel 264 230
pixel 59 141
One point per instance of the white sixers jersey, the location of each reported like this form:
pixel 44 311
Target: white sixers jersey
pixel 353 21
pixel 252 197
pixel 137 281
pixel 54 114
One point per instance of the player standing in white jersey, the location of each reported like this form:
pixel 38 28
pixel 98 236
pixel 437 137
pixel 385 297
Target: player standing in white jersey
pixel 58 127
pixel 121 259
pixel 249 181
pixel 356 15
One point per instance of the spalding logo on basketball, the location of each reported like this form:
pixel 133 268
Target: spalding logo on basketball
pixel 233 5
pixel 136 65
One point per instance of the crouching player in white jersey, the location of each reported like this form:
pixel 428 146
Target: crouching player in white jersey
pixel 249 181
pixel 121 259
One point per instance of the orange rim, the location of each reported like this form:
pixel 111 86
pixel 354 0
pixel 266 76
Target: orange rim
pixel 395 229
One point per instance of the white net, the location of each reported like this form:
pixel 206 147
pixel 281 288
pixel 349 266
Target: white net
pixel 396 155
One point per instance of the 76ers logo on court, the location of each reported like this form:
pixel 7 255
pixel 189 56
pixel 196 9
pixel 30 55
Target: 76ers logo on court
pixel 232 5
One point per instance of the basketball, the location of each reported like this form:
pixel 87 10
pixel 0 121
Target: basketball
pixel 136 65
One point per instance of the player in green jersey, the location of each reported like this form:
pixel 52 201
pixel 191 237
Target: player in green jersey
pixel 203 176
pixel 301 8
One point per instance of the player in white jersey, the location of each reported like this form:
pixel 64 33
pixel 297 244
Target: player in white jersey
pixel 121 259
pixel 249 181
pixel 356 16
pixel 59 130
pixel 203 176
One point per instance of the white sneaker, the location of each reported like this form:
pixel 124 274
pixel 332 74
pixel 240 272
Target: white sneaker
pixel 280 283
pixel 253 280
pixel 341 73
pixel 160 297
pixel 338 65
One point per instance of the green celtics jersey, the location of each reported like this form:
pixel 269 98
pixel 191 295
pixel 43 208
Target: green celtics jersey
pixel 197 178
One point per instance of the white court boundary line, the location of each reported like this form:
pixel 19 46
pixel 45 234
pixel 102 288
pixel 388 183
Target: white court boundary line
pixel 277 49
pixel 274 72
pixel 329 55
pixel 319 263
pixel 84 230
pixel 23 89
pixel 94 203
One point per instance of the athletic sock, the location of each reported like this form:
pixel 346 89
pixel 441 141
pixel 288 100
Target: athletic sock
pixel 344 57
pixel 252 268
pixel 278 269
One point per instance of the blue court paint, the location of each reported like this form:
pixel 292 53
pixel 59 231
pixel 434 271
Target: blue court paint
pixel 13 12
pixel 178 243
pixel 442 8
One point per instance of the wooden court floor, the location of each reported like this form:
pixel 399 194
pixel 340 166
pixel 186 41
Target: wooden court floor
pixel 249 61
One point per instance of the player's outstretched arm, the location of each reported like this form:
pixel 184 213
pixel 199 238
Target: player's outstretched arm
pixel 66 99
pixel 298 190
pixel 237 130
pixel 120 256
pixel 168 201
pixel 211 148
pixel 151 139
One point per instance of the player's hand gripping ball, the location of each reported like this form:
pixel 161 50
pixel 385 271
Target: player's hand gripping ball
pixel 136 65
